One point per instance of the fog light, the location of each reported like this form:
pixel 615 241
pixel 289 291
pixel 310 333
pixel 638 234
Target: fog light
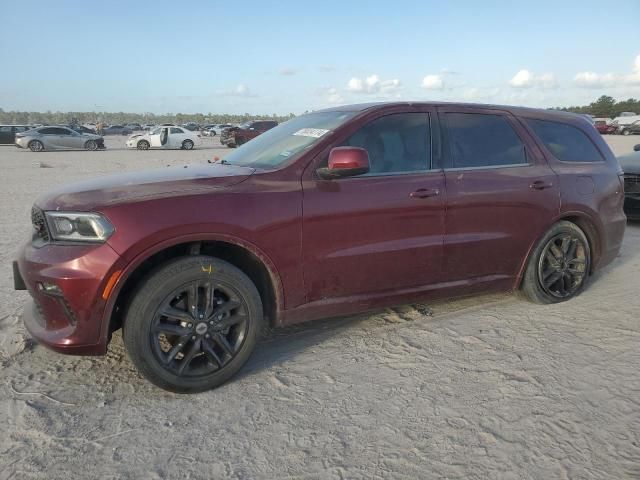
pixel 50 289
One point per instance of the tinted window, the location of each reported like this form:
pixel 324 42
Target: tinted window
pixel 5 129
pixel 395 143
pixel 566 142
pixel 176 130
pixel 62 131
pixel 49 131
pixel 482 140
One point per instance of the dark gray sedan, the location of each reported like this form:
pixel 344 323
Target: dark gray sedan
pixel 631 167
pixel 57 138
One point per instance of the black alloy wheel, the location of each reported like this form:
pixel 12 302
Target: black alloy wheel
pixel 562 265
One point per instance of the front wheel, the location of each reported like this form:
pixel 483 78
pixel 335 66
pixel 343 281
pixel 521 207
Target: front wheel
pixel 187 145
pixel 193 324
pixel 559 266
pixel 143 145
pixel 36 146
pixel 91 145
pixel 626 132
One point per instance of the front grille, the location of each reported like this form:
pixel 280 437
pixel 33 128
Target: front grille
pixel 632 184
pixel 39 224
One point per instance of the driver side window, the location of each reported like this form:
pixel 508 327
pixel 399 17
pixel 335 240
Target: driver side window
pixel 397 143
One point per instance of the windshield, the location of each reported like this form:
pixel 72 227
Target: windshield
pixel 281 143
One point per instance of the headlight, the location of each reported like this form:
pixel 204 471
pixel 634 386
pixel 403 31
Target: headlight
pixel 78 227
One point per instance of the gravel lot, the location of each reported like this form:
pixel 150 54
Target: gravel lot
pixel 486 387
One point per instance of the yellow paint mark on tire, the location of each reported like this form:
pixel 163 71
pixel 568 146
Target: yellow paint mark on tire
pixel 208 269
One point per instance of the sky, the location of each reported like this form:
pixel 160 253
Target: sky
pixel 265 57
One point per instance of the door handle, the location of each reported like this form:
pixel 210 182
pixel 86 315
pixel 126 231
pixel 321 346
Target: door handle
pixel 540 185
pixel 425 193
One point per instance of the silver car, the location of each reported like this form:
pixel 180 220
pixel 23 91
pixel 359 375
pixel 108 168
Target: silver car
pixel 57 138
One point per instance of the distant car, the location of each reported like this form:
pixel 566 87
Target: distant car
pixel 605 128
pixel 165 137
pixel 134 126
pixel 217 130
pixel 116 130
pixel 149 126
pixel 631 167
pixel 236 136
pixel 633 129
pixel 8 133
pixel 192 126
pixel 81 129
pixel 57 138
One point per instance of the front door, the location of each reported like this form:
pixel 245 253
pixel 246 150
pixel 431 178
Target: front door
pixel 501 194
pixel 382 231
pixel 159 137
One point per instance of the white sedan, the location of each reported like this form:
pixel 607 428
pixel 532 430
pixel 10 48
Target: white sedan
pixel 165 137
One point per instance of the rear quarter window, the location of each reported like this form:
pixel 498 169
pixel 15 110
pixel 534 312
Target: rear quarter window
pixel 566 142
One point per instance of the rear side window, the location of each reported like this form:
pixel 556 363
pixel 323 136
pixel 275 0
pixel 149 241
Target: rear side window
pixel 566 142
pixel 176 130
pixel 482 140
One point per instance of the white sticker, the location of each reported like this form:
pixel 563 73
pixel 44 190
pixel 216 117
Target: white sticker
pixel 311 132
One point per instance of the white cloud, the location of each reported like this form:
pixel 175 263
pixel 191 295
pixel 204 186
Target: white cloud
pixel 599 80
pixel 480 94
pixel 373 85
pixel 333 96
pixel 433 82
pixel 526 79
pixel 240 91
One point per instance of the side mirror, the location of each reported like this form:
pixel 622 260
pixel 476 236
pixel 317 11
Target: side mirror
pixel 345 162
pixel 636 148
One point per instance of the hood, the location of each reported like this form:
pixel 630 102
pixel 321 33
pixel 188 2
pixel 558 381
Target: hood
pixel 145 185
pixel 630 163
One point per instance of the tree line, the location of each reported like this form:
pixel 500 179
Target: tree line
pixel 606 107
pixel 55 118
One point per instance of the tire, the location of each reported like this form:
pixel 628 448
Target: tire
pixel 626 132
pixel 212 133
pixel 36 146
pixel 187 145
pixel 557 271
pixel 210 354
pixel 91 145
pixel 143 145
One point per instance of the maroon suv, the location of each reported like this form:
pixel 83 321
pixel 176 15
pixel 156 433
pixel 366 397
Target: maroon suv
pixel 334 212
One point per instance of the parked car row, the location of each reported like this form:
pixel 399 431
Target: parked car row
pixel 623 125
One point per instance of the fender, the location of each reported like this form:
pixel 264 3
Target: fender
pixel 134 263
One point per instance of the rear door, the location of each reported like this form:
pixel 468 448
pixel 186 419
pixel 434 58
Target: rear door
pixel 383 231
pixel 501 194
pixel 176 136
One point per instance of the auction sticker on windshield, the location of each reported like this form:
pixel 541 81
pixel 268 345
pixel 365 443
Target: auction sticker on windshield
pixel 311 132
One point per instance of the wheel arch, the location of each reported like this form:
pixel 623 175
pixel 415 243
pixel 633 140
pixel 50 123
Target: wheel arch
pixel 245 256
pixel 585 223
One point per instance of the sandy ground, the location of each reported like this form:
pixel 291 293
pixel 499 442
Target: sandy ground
pixel 486 387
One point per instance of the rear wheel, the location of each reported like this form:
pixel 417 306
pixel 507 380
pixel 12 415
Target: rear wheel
pixel 187 145
pixel 559 265
pixel 91 145
pixel 193 324
pixel 36 146
pixel 143 145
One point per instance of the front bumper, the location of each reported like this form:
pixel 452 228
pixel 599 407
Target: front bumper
pixel 66 283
